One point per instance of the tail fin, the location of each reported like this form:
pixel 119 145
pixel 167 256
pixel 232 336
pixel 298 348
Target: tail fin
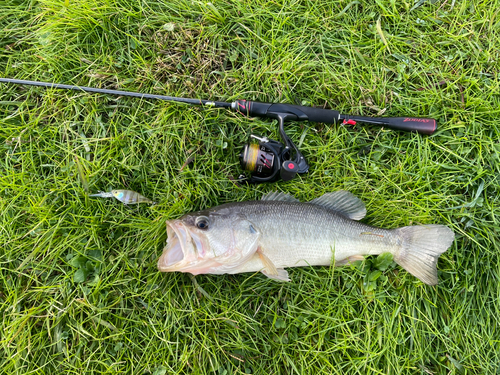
pixel 421 248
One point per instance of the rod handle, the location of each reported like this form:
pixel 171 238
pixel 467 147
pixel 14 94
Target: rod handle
pixel 293 112
pixel 417 124
pixel 330 116
pixel 420 125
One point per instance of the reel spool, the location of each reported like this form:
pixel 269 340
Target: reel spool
pixel 257 159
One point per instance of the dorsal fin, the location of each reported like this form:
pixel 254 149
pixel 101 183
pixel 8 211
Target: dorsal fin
pixel 342 202
pixel 278 196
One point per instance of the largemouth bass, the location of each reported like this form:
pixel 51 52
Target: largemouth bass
pixel 279 232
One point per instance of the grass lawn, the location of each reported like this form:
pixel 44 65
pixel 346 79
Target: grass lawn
pixel 80 292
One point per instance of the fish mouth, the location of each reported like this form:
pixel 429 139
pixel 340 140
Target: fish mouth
pixel 182 249
pixel 176 245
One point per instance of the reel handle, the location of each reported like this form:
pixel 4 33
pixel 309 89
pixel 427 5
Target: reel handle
pixel 288 170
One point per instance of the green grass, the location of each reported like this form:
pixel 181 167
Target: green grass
pixel 438 60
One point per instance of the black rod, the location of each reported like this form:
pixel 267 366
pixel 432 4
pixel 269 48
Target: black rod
pixel 289 112
pixel 117 92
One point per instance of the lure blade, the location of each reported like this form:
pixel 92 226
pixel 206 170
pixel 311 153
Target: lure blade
pixel 102 194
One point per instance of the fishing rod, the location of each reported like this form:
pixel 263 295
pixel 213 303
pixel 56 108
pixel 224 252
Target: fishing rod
pixel 268 160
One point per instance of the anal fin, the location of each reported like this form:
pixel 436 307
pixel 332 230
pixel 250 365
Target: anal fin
pixel 348 260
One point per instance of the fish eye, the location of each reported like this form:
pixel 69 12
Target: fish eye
pixel 202 222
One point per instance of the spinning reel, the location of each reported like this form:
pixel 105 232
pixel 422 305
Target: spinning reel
pixel 270 160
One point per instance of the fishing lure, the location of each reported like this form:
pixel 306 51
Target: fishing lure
pixel 124 196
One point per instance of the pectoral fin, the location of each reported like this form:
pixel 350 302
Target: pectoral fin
pixel 270 269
